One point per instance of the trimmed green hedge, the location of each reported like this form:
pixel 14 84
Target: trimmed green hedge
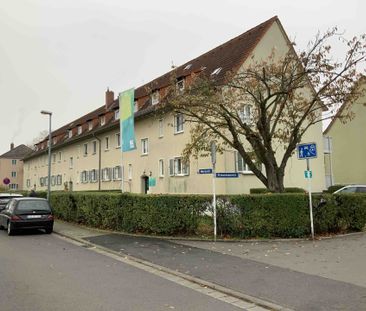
pixel 333 188
pixel 265 190
pixel 243 216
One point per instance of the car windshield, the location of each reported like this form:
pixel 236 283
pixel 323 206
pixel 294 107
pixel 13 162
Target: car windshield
pixel 31 205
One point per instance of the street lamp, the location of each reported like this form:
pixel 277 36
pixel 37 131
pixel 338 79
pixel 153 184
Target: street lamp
pixel 49 113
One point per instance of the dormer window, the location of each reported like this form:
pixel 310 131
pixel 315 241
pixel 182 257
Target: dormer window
pixel 90 125
pixel 180 85
pixel 116 114
pixel 135 106
pixel 69 133
pixel 54 140
pixel 187 67
pixel 155 97
pixel 80 129
pixel 102 120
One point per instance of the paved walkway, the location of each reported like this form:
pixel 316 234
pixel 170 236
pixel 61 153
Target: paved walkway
pixel 288 273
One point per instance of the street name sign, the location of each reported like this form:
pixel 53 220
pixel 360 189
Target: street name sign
pixel 227 175
pixel 306 151
pixel 205 171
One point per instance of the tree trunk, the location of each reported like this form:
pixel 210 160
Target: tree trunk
pixel 275 178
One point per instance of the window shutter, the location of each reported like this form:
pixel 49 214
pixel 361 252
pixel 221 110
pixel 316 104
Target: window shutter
pixel 171 167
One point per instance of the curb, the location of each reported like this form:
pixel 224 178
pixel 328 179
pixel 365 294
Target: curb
pixel 257 301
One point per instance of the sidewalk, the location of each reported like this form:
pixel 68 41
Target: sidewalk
pixel 281 272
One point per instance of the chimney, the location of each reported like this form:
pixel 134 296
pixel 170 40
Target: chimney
pixel 109 98
pixel 11 146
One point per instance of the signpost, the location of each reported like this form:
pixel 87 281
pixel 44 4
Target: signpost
pixel 213 160
pixel 306 152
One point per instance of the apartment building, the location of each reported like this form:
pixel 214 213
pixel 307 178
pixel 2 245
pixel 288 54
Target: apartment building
pixel 86 152
pixel 11 167
pixel 345 144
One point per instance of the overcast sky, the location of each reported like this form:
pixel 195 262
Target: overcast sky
pixel 62 55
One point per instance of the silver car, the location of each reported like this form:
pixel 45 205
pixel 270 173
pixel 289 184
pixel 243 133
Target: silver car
pixel 5 198
pixel 351 189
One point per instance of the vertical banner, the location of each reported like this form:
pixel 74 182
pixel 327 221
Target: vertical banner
pixel 127 124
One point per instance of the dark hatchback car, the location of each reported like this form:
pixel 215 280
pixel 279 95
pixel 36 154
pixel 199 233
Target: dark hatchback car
pixel 27 213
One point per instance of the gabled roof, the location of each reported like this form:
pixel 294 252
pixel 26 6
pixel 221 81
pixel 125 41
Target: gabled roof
pixel 222 59
pixel 338 114
pixel 17 153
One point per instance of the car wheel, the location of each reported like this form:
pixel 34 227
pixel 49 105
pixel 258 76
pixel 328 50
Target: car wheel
pixel 49 230
pixel 10 229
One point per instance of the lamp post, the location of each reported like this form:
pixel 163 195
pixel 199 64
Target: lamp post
pixel 49 113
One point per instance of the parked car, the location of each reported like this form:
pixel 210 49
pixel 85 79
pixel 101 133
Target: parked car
pixel 5 198
pixel 27 213
pixel 351 189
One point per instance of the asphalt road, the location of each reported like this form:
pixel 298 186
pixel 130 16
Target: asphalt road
pixel 40 272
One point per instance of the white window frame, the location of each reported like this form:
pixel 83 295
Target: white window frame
pixel 14 162
pixel 155 97
pixel 177 167
pixel 69 134
pixel 161 128
pixel 144 146
pixel 80 129
pixel 85 149
pixel 135 106
pixel 241 166
pixel 245 114
pixel 13 174
pixel 129 171
pixel 59 156
pixel 106 174
pixel 106 143
pixel 117 173
pixel 93 175
pixel 102 120
pixel 71 162
pixel 178 123
pixel 118 140
pixel 59 180
pixel 53 157
pixel 116 114
pixel 94 146
pixel 161 168
pixel 90 125
pixel 28 183
pixel 180 85
pixel 84 177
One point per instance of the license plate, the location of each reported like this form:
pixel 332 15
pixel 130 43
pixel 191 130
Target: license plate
pixel 34 216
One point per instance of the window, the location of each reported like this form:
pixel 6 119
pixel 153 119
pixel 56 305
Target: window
pixel 90 125
pixel 59 179
pixel 94 144
pixel 80 129
pixel 53 180
pixel 144 146
pixel 71 162
pixel 69 134
pixel 106 140
pixel 54 140
pixel 178 123
pixel 14 162
pixel 180 85
pixel 54 158
pixel 93 175
pixel 116 114
pixel 241 166
pixel 85 150
pixel 28 183
pixel 245 114
pixel 161 168
pixel 129 171
pixel 102 120
pixel 14 186
pixel 177 167
pixel 155 97
pixel 161 128
pixel 106 174
pixel 13 174
pixel 84 176
pixel 118 140
pixel 117 173
pixel 216 71
pixel 59 156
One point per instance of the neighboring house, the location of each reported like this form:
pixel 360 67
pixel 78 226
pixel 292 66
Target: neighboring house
pixel 11 166
pixel 345 144
pixel 156 165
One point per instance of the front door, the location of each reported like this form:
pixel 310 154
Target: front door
pixel 145 184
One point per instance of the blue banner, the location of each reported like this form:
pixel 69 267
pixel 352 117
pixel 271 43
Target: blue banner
pixel 127 124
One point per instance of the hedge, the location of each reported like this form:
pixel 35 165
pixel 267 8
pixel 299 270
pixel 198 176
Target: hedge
pixel 240 216
pixel 265 190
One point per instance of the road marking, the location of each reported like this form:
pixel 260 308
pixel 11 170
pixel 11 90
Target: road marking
pixel 218 292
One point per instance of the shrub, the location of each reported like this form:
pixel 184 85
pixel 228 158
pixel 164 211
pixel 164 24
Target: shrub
pixel 287 190
pixel 333 188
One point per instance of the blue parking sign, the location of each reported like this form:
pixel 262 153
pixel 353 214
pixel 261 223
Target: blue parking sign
pixel 306 151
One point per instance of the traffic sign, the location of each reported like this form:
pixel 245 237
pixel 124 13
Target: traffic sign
pixel 306 151
pixel 205 171
pixel 227 175
pixel 308 174
pixel 6 181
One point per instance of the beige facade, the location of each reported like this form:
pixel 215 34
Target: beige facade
pixel 156 165
pixel 345 161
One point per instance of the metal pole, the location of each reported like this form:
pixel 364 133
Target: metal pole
pixel 49 158
pixel 310 199
pixel 214 198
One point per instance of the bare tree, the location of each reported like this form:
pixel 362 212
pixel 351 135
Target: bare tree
pixel 41 136
pixel 270 104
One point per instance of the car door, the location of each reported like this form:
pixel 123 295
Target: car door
pixel 361 190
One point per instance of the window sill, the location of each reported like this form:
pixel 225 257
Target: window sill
pixel 144 154
pixel 105 150
pixel 177 133
pixel 246 172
